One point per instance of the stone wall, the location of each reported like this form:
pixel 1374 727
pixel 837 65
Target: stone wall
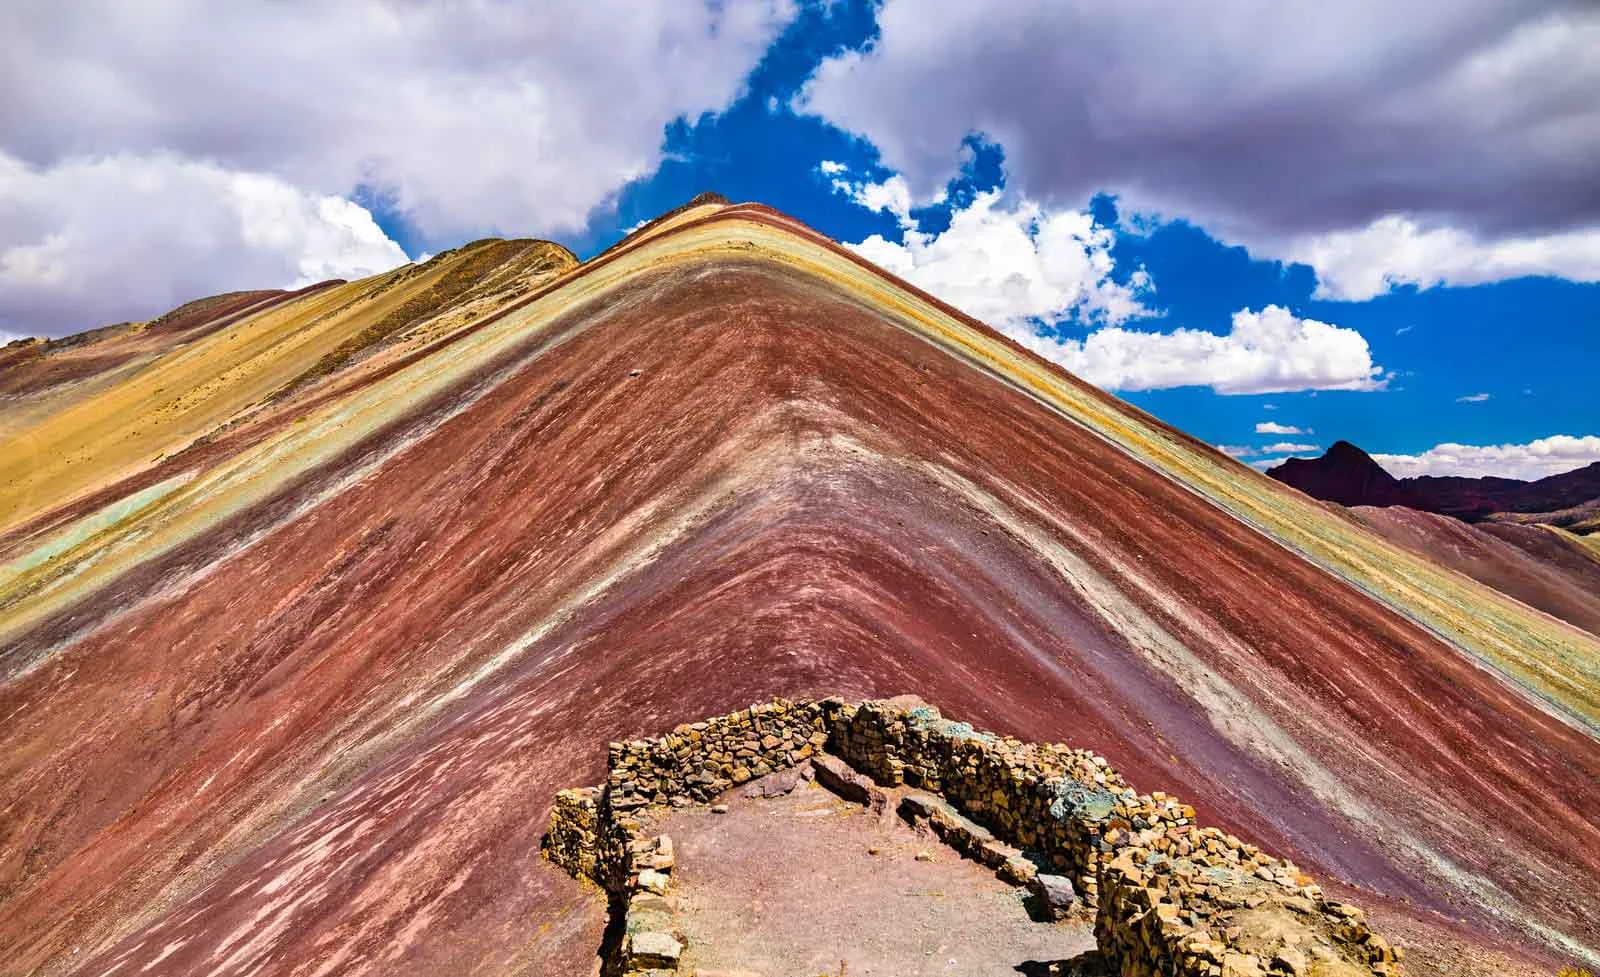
pixel 1045 798
pixel 1206 916
pixel 698 761
pixel 1170 897
pixel 573 839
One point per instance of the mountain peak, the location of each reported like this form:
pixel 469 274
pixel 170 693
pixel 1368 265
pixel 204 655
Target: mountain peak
pixel 425 543
pixel 1343 449
pixel 1344 474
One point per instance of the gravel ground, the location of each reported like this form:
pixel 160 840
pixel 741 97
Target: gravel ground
pixel 791 887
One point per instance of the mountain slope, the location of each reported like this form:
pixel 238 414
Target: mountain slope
pixel 1541 566
pixel 149 390
pixel 301 705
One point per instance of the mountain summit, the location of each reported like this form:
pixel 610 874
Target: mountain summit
pixel 306 619
pixel 1344 474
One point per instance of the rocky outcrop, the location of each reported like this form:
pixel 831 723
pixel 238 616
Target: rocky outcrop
pixel 1170 897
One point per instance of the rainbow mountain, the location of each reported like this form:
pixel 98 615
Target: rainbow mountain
pixel 310 602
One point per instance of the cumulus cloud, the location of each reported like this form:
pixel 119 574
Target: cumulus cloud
pixel 1289 448
pixel 1016 265
pixel 1533 460
pixel 1361 264
pixel 1238 450
pixel 1269 351
pixel 1273 427
pixel 1005 263
pixel 1454 146
pixel 473 118
pixel 88 242
pixel 1472 399
pixel 893 196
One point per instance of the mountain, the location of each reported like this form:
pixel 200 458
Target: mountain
pixel 1344 474
pixel 1347 475
pixel 1507 541
pixel 1539 565
pixel 308 609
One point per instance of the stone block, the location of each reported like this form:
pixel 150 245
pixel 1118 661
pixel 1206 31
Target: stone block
pixel 651 949
pixel 652 881
pixel 836 775
pixel 1053 895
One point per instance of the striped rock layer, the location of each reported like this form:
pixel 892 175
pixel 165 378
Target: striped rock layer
pixel 308 609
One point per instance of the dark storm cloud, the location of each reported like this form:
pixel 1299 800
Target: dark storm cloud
pixel 1266 120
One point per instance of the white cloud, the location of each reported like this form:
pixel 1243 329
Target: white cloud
pixel 890 196
pixel 1237 450
pixel 478 115
pixel 475 117
pixel 1356 265
pixel 831 167
pixel 1536 459
pixel 1289 448
pixel 1451 147
pixel 1015 264
pixel 1003 263
pixel 1262 464
pixel 1273 427
pixel 89 242
pixel 1472 399
pixel 1264 352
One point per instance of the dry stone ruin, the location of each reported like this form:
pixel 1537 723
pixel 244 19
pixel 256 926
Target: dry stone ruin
pixel 1168 896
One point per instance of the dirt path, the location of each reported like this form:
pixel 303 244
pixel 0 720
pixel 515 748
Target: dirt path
pixel 790 887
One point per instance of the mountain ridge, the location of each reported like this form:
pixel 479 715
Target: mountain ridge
pixel 1349 476
pixel 375 625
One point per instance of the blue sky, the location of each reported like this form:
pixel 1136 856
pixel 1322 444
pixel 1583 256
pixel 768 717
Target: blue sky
pixel 1226 236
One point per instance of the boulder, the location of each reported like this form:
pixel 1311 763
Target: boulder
pixel 836 775
pixel 1053 894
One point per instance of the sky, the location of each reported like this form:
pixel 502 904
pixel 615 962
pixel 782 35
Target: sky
pixel 1274 225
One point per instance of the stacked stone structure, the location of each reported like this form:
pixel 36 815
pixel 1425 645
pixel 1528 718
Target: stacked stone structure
pixel 697 761
pixel 1170 897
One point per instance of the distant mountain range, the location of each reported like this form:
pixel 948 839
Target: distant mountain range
pixel 1349 476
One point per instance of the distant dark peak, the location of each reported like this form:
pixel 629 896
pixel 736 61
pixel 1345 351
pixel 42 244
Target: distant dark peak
pixel 1341 450
pixel 1344 474
pixel 1349 476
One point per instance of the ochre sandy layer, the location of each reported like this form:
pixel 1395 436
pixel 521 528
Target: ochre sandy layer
pixel 1543 566
pixel 300 707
